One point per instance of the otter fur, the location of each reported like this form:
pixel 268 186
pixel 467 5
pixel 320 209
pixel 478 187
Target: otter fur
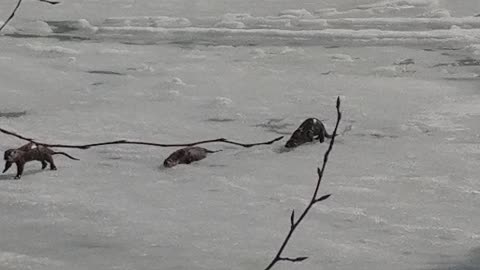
pixel 311 129
pixel 31 152
pixel 187 155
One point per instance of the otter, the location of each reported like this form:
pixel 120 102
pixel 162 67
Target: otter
pixel 311 129
pixel 30 152
pixel 187 155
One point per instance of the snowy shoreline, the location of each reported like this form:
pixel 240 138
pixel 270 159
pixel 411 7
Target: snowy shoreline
pixel 340 32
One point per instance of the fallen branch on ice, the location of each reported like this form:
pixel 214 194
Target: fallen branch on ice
pixel 87 146
pixel 294 223
pixel 221 140
pixel 16 8
pixel 15 135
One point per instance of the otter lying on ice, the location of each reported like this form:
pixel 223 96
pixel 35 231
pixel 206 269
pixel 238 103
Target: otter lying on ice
pixel 187 155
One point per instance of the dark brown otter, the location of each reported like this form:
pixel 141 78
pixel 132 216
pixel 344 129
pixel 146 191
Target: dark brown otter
pixel 30 152
pixel 187 155
pixel 311 129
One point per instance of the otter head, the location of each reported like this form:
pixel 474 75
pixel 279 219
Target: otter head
pixel 291 143
pixel 175 158
pixel 295 140
pixel 9 155
pixel 169 162
pixel 300 136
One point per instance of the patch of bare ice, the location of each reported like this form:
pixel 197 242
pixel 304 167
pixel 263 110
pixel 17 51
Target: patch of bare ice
pixel 341 57
pixel 83 26
pixel 272 51
pixel 40 28
pixel 8 29
pixel 49 50
pixel 354 211
pixel 245 20
pixel 148 21
pixel 395 8
pixel 222 109
pixel 474 49
pixel 436 13
pixel 144 67
pixel 298 13
pixel 387 71
pixel 441 121
pixel 196 54
pixel 401 3
pixel 114 51
pixel 311 24
pixel 22 261
pixel 230 24
pixel 178 81
pixel 233 20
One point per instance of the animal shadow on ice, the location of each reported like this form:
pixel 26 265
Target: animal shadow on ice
pixel 106 72
pixel 193 164
pixel 274 125
pixel 464 62
pixel 220 120
pixel 470 262
pixel 51 36
pixel 12 114
pixel 11 176
pixel 377 134
pixel 280 149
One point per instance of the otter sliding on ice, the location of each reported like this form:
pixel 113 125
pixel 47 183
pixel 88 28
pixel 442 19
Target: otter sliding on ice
pixel 311 129
pixel 30 152
pixel 187 155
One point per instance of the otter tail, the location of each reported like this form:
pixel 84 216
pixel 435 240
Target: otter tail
pixel 329 136
pixel 65 154
pixel 210 151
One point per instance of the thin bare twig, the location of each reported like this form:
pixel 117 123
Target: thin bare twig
pixel 11 15
pixel 16 8
pixel 294 223
pixel 87 146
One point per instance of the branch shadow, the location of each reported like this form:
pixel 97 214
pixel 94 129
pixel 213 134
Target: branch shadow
pixel 12 114
pixel 276 126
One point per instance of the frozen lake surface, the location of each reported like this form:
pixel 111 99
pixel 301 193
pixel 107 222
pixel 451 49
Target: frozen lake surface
pixel 404 174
